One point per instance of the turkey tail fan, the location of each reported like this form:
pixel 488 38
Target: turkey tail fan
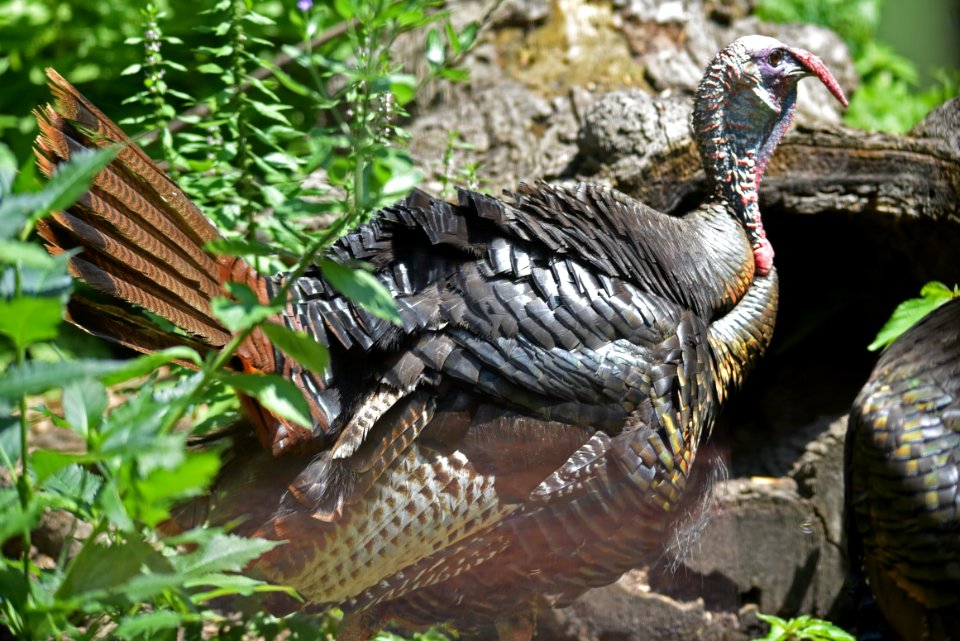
pixel 141 237
pixel 141 242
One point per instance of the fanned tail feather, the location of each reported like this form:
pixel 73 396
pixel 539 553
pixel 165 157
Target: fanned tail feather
pixel 142 243
pixel 141 237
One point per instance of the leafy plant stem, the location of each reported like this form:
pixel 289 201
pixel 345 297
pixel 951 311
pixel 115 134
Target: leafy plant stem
pixel 240 107
pixel 24 487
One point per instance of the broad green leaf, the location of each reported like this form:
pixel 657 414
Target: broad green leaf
pixel 344 8
pixel 907 313
pixel 286 80
pixel 12 586
pixel 403 86
pixel 146 586
pixel 35 377
pixel 434 48
pixel 26 320
pixel 255 18
pixel 455 74
pixel 147 363
pixel 227 584
pixel 8 169
pixel 67 185
pixel 48 462
pixel 274 112
pixel 163 487
pixel 221 553
pixel 47 283
pixel 452 37
pixel 311 354
pixel 824 630
pixel 210 67
pixel 236 246
pixel 104 568
pixel 469 35
pixel 15 521
pixel 14 252
pixel 272 196
pixel 363 288
pixel 84 404
pixel 285 161
pixel 245 310
pixel 76 482
pixel 10 446
pixel 109 501
pixel 279 395
pixel 133 431
pixel 27 180
pixel 146 625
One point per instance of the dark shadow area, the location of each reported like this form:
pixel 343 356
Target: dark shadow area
pixel 841 276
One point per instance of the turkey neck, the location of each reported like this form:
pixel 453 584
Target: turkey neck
pixel 737 126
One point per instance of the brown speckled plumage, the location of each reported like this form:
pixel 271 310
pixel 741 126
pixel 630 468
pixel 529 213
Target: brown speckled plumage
pixel 530 430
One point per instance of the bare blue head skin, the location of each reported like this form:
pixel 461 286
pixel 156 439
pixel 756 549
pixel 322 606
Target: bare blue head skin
pixel 744 105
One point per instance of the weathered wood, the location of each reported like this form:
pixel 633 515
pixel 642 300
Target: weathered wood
pixel 814 171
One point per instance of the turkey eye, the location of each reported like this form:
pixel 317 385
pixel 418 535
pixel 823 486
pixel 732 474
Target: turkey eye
pixel 775 58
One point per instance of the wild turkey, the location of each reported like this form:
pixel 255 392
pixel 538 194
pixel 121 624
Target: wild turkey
pixel 903 480
pixel 529 431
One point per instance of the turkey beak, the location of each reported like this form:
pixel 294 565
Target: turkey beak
pixel 816 67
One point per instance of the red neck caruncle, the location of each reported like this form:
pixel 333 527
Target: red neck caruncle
pixel 744 105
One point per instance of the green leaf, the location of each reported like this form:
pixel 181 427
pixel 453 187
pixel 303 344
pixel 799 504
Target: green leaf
pixel 132 69
pixel 907 313
pixel 15 521
pixel 67 185
pixel 279 395
pixel 452 37
pixel 221 553
pixel 84 405
pixel 274 112
pixel 434 48
pixel 14 252
pixel 311 354
pixel 363 288
pixel 286 80
pixel 143 365
pixel 146 625
pixel 255 18
pixel 8 169
pixel 210 67
pixel 164 487
pixel 102 568
pixel 245 310
pixel 455 74
pixel 35 377
pixel 469 35
pixel 272 196
pixel 26 320
pixel 48 462
pixel 237 247
pixel 76 482
pixel 44 283
pixel 227 584
pixel 109 501
pixel 9 435
pixel 344 8
pixel 12 586
pixel 403 86
pixel 191 478
pixel 146 586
